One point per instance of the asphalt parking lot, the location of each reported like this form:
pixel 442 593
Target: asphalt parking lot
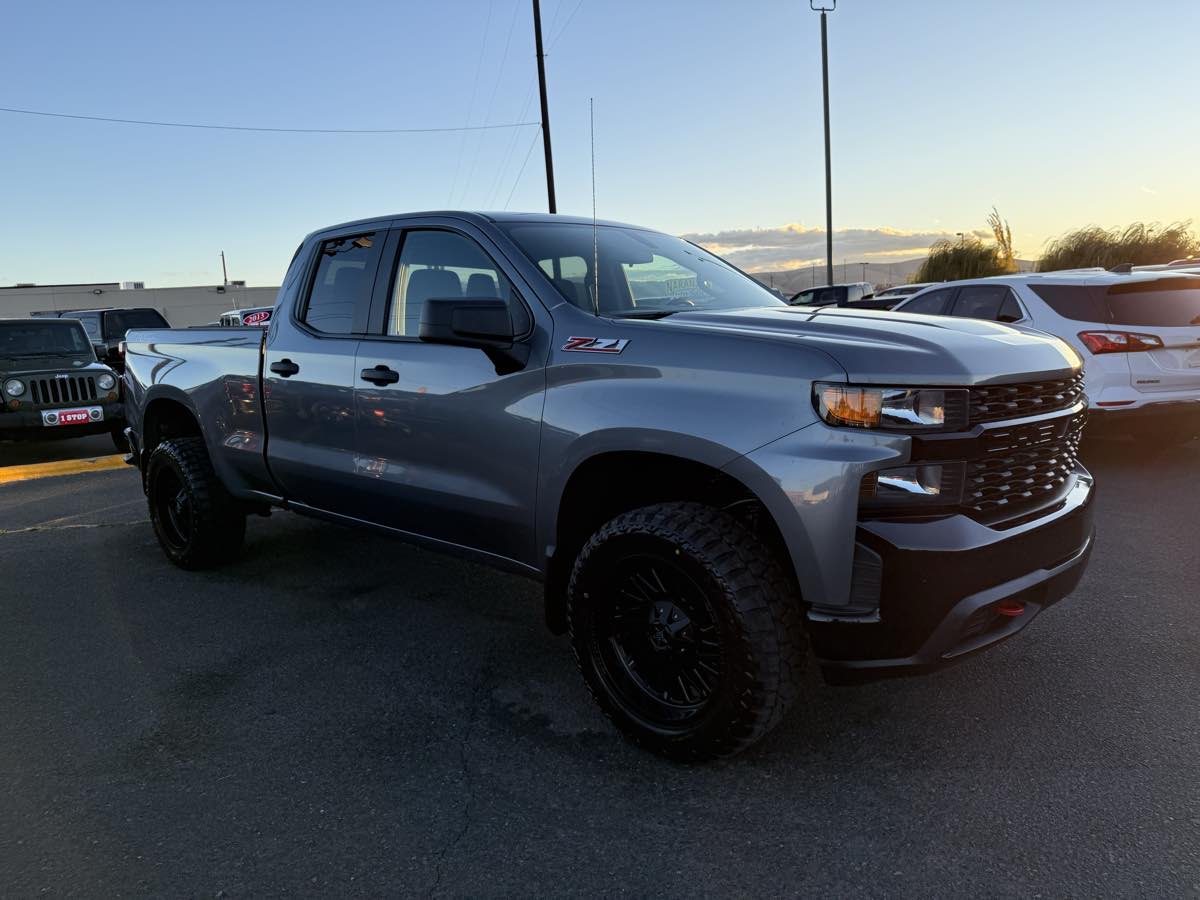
pixel 338 713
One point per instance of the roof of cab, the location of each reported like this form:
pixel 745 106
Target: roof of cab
pixel 479 218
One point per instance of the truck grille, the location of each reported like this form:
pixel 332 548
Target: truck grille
pixel 997 402
pixel 1023 466
pixel 73 389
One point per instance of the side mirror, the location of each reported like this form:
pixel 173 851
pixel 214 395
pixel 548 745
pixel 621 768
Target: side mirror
pixel 100 350
pixel 480 322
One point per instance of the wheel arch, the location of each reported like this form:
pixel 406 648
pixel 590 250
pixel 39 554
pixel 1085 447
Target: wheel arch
pixel 610 482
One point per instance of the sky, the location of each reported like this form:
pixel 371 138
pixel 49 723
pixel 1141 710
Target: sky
pixel 707 123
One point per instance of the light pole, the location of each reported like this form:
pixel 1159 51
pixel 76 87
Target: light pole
pixel 864 271
pixel 541 67
pixel 819 6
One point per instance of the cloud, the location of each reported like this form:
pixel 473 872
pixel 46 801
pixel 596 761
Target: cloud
pixel 791 246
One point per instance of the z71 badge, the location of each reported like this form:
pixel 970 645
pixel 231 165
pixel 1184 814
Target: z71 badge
pixel 595 345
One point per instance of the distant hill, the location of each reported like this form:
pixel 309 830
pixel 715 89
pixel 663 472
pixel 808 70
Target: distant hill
pixel 789 281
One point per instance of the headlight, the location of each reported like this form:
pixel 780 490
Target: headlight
pixel 892 409
pixel 14 387
pixel 106 382
pixel 929 484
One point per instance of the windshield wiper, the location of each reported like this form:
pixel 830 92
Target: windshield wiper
pixel 644 314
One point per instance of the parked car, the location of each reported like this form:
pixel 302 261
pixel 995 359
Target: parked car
pixel 1138 333
pixel 259 316
pixel 899 292
pixel 704 478
pixel 858 294
pixel 106 327
pixel 54 387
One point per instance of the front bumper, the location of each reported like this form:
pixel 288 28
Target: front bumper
pixel 945 585
pixel 27 424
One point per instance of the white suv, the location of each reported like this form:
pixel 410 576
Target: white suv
pixel 1138 334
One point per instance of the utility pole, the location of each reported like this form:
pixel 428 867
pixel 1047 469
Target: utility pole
pixel 541 63
pixel 822 9
pixel 864 271
pixel 224 274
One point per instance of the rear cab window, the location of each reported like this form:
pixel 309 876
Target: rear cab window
pixel 91 325
pixel 119 321
pixel 342 282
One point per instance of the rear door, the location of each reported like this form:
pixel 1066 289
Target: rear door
pixel 448 446
pixel 308 369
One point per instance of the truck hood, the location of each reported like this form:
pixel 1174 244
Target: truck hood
pixel 880 347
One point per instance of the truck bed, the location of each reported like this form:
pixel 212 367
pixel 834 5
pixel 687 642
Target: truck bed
pixel 217 373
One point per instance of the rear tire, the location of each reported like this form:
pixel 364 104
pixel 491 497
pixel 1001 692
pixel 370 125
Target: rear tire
pixel 686 630
pixel 197 523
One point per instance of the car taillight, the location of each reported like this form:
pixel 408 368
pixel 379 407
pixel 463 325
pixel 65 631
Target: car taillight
pixel 1119 341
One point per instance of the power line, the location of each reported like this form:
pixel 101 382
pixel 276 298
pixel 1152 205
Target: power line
pixel 209 127
pixel 554 40
pixel 528 153
pixel 491 100
pixel 498 184
pixel 487 28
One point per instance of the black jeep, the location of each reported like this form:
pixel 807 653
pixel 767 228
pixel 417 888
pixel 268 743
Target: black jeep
pixel 52 384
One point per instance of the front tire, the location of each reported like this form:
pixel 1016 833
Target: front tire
pixel 197 523
pixel 686 630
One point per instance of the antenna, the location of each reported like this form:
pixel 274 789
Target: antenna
pixel 595 233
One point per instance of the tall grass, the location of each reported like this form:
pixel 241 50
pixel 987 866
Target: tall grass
pixel 969 257
pixel 1140 244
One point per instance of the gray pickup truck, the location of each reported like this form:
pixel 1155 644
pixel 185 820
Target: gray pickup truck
pixel 706 480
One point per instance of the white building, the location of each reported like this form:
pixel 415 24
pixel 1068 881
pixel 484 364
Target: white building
pixel 182 306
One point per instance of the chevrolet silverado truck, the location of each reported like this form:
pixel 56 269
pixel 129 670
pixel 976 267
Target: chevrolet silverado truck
pixel 53 385
pixel 706 480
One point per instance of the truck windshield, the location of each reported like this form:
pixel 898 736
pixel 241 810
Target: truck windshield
pixel 42 337
pixel 642 273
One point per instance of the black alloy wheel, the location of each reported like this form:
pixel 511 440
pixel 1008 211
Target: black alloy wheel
pixel 686 630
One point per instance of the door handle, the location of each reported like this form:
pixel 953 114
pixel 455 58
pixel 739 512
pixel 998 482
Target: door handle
pixel 381 375
pixel 285 368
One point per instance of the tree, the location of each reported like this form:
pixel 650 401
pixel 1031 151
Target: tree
pixel 970 257
pixel 1140 244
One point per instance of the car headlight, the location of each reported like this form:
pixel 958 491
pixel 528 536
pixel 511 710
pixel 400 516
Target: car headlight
pixel 927 484
pixel 892 409
pixel 106 382
pixel 14 387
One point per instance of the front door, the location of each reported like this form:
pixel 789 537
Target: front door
pixel 447 447
pixel 309 375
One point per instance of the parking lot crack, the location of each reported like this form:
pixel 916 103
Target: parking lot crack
pixel 34 529
pixel 477 694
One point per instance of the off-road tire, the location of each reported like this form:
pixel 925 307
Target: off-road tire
pixel 756 610
pixel 207 527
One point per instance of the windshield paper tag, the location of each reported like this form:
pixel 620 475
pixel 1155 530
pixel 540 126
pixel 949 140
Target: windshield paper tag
pixel 595 345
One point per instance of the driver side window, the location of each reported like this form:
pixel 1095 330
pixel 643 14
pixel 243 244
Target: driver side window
pixel 445 264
